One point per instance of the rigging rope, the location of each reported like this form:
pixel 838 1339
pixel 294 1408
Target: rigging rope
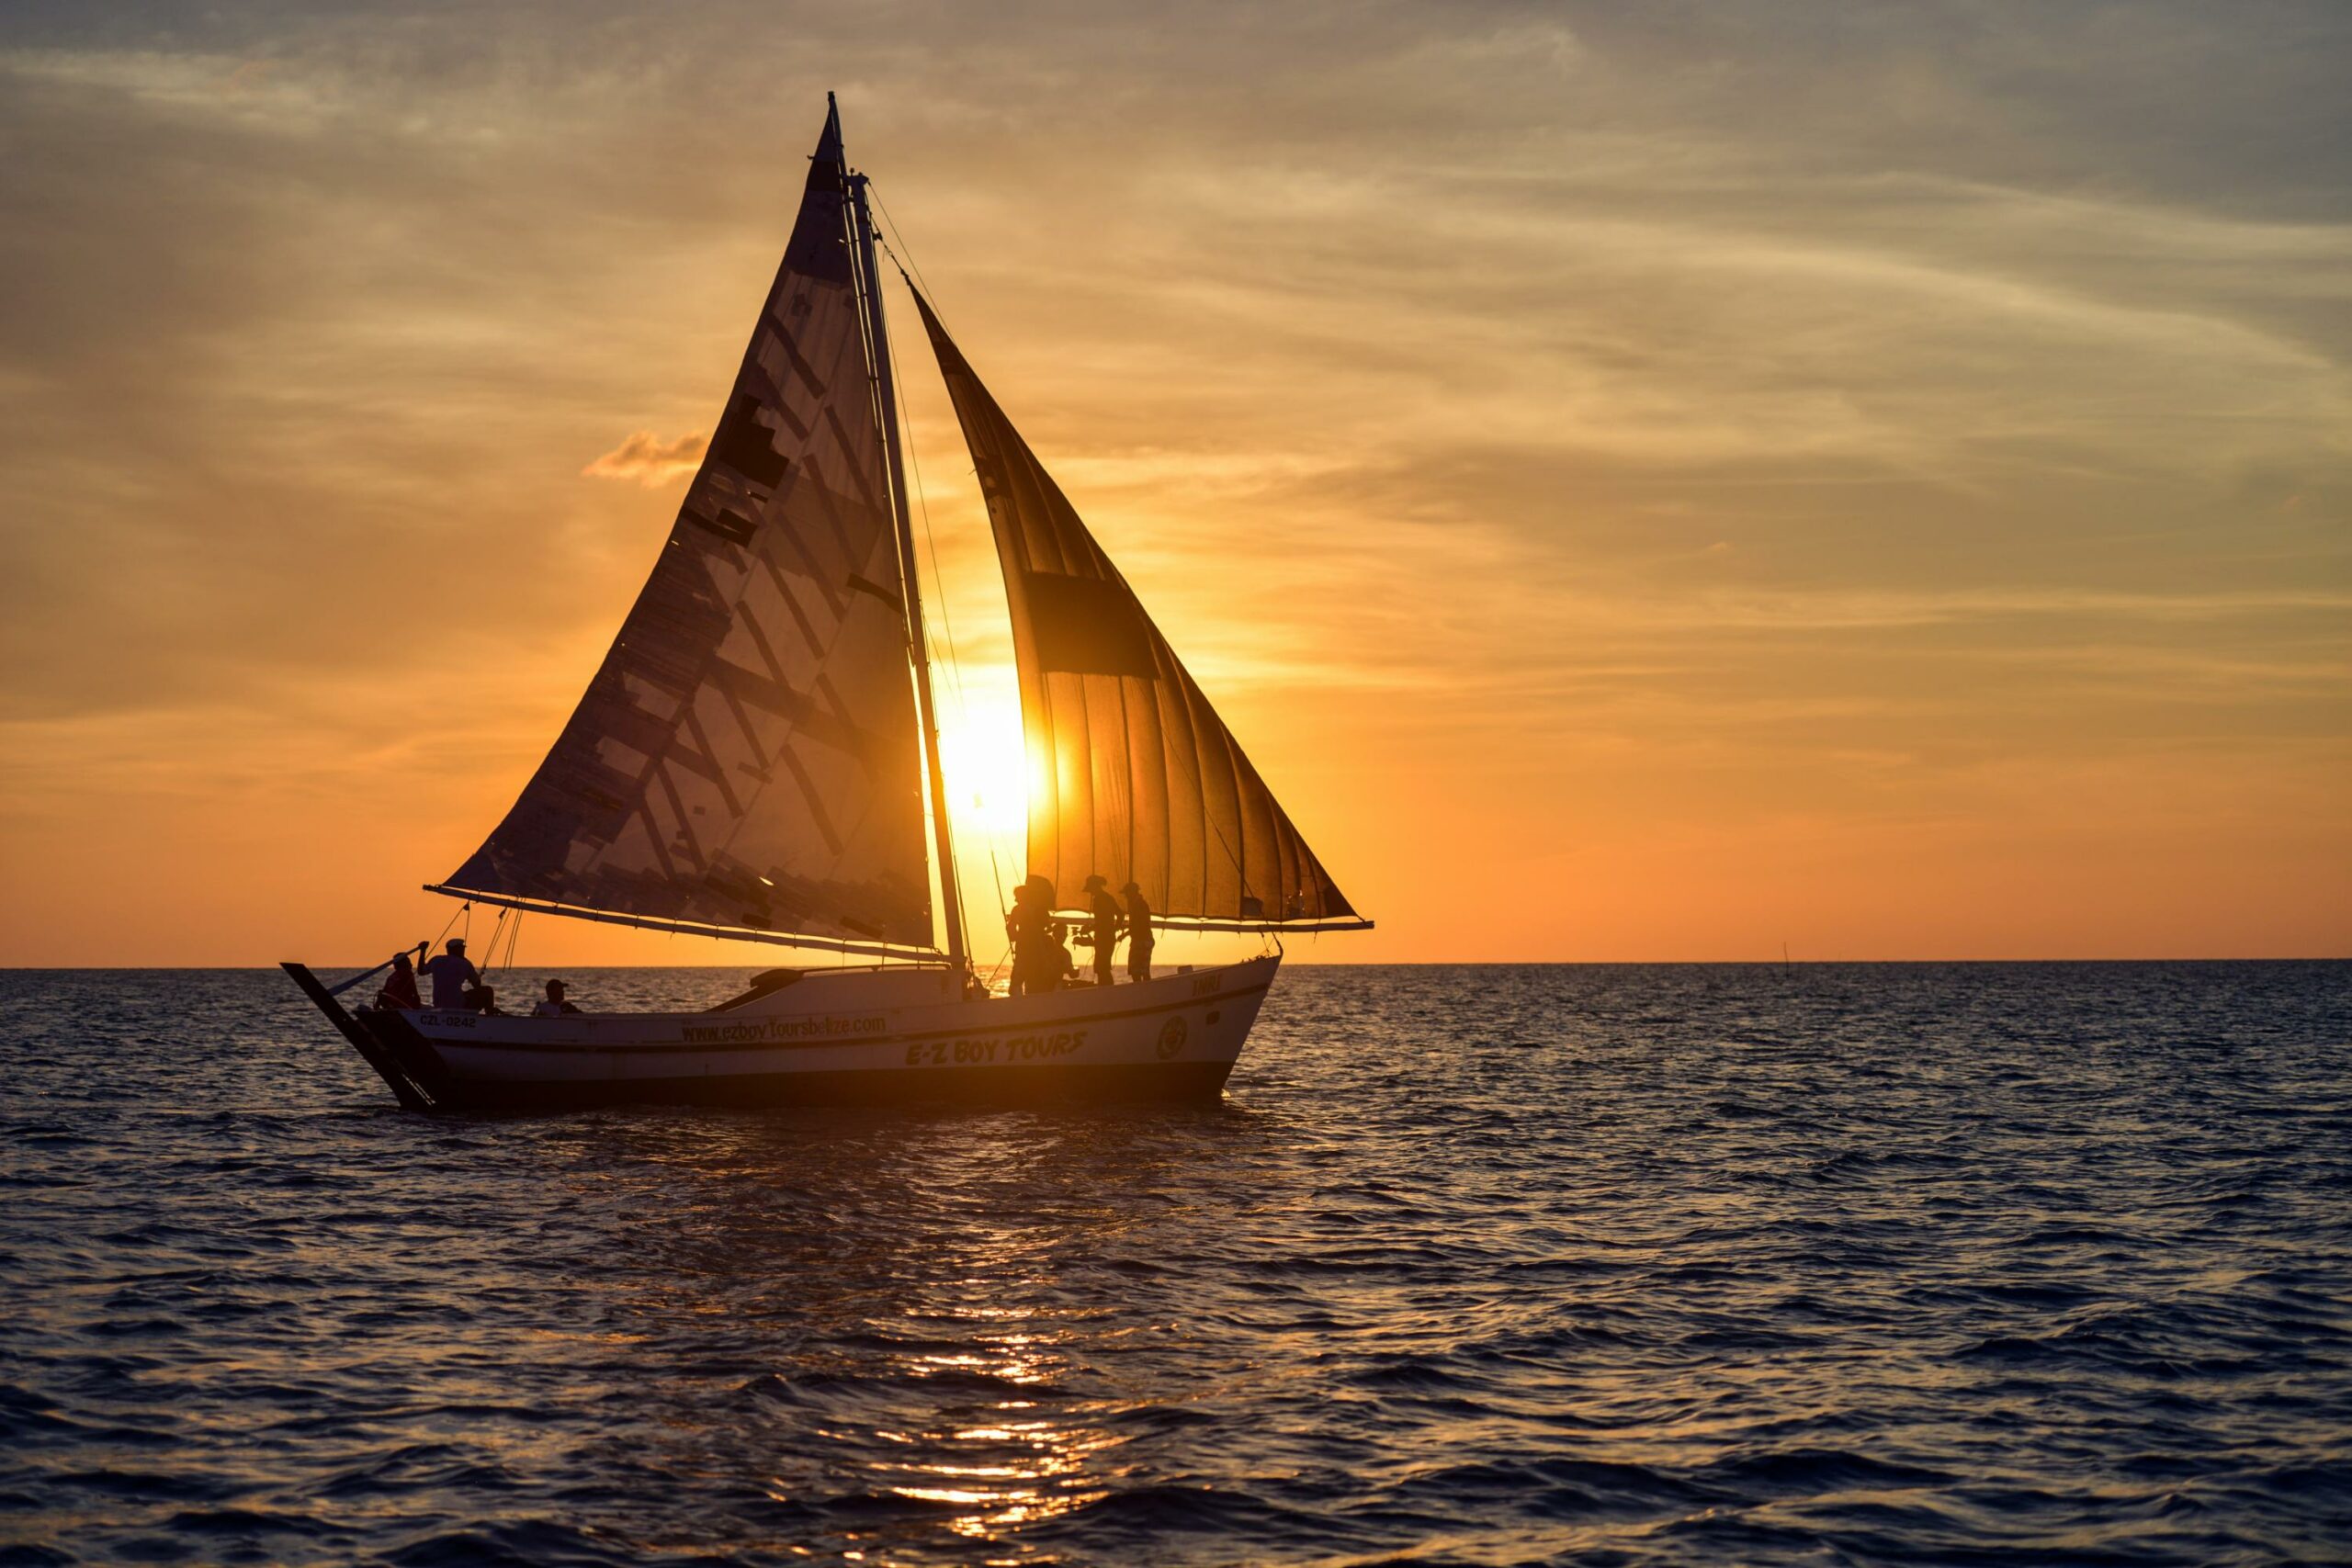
pixel 514 933
pixel 338 989
pixel 996 875
pixel 939 588
pixel 918 279
pixel 445 929
pixel 923 497
pixel 955 662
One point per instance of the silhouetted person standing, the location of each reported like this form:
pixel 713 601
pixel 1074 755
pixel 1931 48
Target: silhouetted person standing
pixel 1030 925
pixel 1107 916
pixel 451 973
pixel 1138 933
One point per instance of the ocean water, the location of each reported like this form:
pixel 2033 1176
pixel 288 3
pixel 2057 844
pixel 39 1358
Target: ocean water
pixel 1920 1264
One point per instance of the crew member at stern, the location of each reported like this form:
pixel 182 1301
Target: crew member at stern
pixel 1138 933
pixel 1030 925
pixel 1107 919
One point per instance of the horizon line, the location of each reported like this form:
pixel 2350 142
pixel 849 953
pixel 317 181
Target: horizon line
pixel 1301 964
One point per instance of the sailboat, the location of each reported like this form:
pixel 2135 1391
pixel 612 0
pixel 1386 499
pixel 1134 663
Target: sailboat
pixel 757 759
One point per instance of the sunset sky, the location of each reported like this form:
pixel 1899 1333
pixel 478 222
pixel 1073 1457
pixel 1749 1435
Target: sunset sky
pixel 1644 482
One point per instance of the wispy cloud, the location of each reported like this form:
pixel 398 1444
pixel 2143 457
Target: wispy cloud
pixel 649 459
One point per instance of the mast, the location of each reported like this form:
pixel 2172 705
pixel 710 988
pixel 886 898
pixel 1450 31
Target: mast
pixel 877 339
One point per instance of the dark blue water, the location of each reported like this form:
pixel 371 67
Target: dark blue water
pixel 1612 1265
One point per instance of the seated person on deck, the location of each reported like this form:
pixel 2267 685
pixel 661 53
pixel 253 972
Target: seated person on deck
pixel 451 973
pixel 555 1006
pixel 399 990
pixel 1060 966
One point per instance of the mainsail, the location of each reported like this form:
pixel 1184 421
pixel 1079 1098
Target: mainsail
pixel 745 760
pixel 1141 780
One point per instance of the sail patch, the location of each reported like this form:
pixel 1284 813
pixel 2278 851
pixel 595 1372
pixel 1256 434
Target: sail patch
pixel 1088 626
pixel 730 525
pixel 746 444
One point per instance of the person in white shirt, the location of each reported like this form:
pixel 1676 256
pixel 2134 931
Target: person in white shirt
pixel 451 973
pixel 555 1006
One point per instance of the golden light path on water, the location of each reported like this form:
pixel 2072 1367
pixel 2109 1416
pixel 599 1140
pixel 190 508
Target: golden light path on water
pixel 1022 1465
pixel 956 1377
pixel 1016 1469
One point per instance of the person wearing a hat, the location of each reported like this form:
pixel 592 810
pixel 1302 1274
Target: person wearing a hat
pixel 1138 933
pixel 555 1006
pixel 1107 916
pixel 451 973
pixel 399 990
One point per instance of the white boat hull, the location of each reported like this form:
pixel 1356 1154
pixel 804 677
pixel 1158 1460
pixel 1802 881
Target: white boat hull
pixel 834 1038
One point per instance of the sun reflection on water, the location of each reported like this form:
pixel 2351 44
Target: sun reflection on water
pixel 912 1333
pixel 1009 1468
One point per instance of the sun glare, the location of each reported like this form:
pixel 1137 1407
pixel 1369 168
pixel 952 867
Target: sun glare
pixel 982 749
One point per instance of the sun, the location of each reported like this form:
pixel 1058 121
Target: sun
pixel 986 761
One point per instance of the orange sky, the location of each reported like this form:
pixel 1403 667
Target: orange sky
pixel 1641 487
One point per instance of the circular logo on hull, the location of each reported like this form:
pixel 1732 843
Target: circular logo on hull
pixel 1172 1038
